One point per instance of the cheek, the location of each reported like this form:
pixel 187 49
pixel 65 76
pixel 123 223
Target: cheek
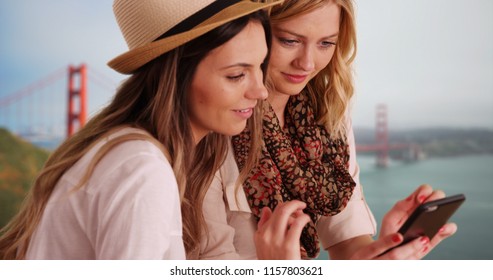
pixel 202 89
pixel 323 60
pixel 330 55
pixel 279 57
pixel 197 99
pixel 206 101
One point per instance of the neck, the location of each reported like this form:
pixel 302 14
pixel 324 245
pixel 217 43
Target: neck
pixel 279 101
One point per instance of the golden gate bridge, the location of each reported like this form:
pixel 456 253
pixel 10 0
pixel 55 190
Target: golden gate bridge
pixel 39 112
pixel 382 145
pixel 53 107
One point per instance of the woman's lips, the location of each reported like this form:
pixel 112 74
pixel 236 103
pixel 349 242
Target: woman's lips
pixel 295 79
pixel 244 113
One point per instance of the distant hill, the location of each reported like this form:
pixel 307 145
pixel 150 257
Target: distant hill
pixel 437 142
pixel 20 162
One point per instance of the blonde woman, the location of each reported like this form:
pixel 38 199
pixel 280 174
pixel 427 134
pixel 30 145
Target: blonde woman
pixel 308 151
pixel 129 181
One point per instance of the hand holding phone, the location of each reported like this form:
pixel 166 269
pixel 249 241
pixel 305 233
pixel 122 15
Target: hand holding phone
pixel 429 217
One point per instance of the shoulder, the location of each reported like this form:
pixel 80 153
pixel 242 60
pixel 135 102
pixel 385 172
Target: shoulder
pixel 131 158
pixel 135 176
pixel 135 142
pixel 135 156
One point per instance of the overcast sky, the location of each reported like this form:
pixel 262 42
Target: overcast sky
pixel 430 61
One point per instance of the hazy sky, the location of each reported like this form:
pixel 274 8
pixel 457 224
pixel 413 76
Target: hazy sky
pixel 430 61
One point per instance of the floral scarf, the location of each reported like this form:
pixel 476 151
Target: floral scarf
pixel 301 162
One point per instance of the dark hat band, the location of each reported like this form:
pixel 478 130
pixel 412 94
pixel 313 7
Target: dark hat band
pixel 199 17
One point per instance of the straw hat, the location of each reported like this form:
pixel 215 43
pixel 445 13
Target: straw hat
pixel 154 27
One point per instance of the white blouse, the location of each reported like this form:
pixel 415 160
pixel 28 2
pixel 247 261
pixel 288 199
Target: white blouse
pixel 129 208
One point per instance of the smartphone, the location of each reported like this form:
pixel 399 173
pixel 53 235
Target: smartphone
pixel 429 217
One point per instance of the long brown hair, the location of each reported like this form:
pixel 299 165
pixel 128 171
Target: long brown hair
pixel 154 98
pixel 331 90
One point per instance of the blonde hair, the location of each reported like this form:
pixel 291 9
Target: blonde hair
pixel 331 90
pixel 154 99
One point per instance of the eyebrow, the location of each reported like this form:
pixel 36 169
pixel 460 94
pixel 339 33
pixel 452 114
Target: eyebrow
pixel 240 64
pixel 301 36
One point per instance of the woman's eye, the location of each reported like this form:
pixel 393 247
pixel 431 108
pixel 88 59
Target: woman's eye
pixel 235 77
pixel 327 44
pixel 288 42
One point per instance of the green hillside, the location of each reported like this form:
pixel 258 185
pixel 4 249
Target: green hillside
pixel 20 162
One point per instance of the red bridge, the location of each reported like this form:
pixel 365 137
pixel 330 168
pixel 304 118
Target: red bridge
pixel 53 107
pixel 382 146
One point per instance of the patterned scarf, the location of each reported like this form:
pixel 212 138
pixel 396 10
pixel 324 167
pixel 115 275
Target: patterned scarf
pixel 301 162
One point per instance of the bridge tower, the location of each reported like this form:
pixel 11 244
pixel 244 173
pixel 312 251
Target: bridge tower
pixel 382 136
pixel 76 95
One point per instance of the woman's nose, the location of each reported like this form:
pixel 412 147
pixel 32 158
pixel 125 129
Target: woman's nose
pixel 257 89
pixel 305 60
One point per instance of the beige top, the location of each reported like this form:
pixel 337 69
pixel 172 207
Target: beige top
pixel 231 225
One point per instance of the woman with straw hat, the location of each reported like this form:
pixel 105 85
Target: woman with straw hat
pixel 128 182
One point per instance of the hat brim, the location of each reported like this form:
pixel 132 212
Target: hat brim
pixel 132 60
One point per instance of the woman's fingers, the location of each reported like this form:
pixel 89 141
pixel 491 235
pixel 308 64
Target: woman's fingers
pixel 399 213
pixel 379 247
pixel 420 194
pixel 279 231
pixel 436 194
pixel 413 250
pixel 390 247
pixel 403 208
pixel 446 231
pixel 281 216
pixel 298 222
pixel 406 206
pixel 265 215
pixel 421 246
